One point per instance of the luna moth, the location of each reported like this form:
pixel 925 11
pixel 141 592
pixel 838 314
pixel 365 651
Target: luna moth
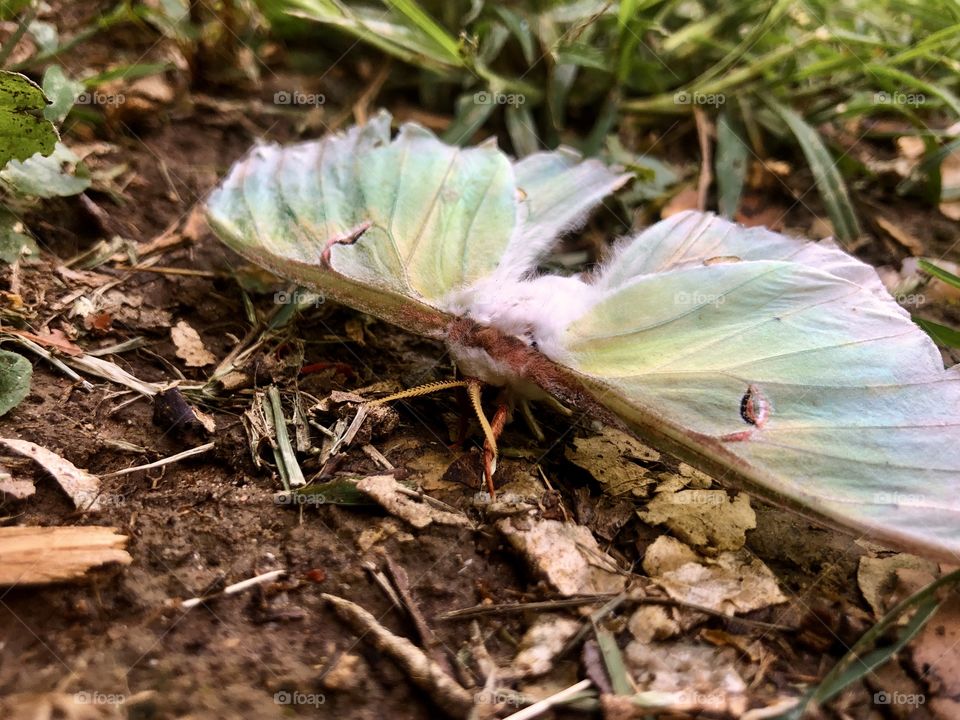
pixel 775 364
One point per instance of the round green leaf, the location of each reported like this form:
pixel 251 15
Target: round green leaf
pixel 15 372
pixel 24 130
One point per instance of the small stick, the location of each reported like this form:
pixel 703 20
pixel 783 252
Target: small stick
pixel 378 457
pixel 235 588
pixel 199 450
pixel 506 608
pixel 427 637
pixel 422 671
pixel 380 579
pixel 164 270
pixel 538 708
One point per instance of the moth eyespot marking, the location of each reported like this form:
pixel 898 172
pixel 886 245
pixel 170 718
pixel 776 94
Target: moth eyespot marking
pixel 754 407
pixel 721 259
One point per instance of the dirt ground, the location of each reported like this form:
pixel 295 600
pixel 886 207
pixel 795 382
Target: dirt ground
pixel 211 520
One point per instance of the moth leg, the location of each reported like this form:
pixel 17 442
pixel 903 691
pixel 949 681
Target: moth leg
pixel 527 411
pixel 490 437
pixel 558 406
pixel 490 451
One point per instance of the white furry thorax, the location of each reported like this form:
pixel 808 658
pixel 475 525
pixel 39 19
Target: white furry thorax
pixel 536 311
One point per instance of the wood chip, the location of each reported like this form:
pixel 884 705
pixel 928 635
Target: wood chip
pixel 41 555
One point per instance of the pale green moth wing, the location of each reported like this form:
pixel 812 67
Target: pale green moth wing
pixel 802 385
pixel 438 218
pixel 558 190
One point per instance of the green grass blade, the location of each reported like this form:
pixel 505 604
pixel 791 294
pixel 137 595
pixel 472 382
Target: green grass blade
pixel 522 130
pixel 942 335
pixel 906 80
pixel 857 663
pixel 938 272
pixel 614 662
pixel 411 10
pixel 733 155
pixel 826 175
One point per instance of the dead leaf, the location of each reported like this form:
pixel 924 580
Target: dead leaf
pixel 565 554
pixel 951 209
pixel 688 677
pixel 397 500
pixel 733 582
pixel 18 489
pixel 906 239
pixel 190 347
pixel 40 555
pixel 98 322
pixel 610 457
pixel 911 147
pixel 541 645
pixel 653 622
pixel 55 339
pixel 686 199
pixel 706 519
pixel 82 487
pixel 877 578
pixel 68 706
pixel 935 656
pixel 428 467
